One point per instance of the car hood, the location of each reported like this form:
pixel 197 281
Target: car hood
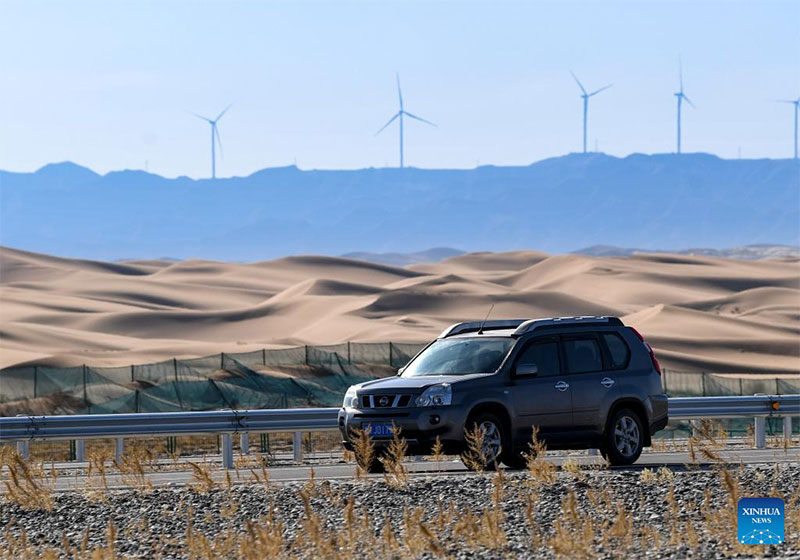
pixel 406 383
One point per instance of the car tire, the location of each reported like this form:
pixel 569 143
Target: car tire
pixel 495 441
pixel 515 461
pixel 624 438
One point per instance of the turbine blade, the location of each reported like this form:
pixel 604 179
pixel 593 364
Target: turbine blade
pixel 223 112
pixel 577 81
pixel 399 91
pixel 406 113
pixel 680 72
pixel 388 123
pixel 199 116
pixel 688 100
pixel 601 89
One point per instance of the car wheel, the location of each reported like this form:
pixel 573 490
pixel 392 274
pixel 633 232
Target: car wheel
pixel 494 441
pixel 624 438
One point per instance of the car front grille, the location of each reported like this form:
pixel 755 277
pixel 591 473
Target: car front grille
pixel 385 401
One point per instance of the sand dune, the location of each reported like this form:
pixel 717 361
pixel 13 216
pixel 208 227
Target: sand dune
pixel 700 313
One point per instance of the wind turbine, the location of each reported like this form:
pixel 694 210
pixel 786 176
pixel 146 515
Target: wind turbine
pixel 400 114
pixel 586 97
pixel 796 103
pixel 681 97
pixel 214 136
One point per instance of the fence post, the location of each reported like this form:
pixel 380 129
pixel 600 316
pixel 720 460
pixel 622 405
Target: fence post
pixel 306 349
pixel 85 395
pixel 23 449
pixel 119 448
pixel 244 443
pixel 787 430
pixel 222 360
pixel 227 451
pixel 35 381
pixel 264 356
pixel 761 432
pixel 80 450
pixel 703 381
pixel 348 353
pixel 297 445
pixel 391 362
pixel 175 368
pixel 741 388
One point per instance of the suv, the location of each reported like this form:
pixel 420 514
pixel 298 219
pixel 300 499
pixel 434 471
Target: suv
pixel 584 382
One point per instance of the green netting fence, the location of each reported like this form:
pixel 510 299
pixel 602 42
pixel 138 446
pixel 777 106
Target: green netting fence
pixel 274 378
pixel 269 378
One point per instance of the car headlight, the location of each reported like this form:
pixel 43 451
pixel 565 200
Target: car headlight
pixel 350 398
pixel 436 395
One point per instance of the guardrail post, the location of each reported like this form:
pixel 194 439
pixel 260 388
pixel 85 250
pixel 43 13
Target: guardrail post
pixel 23 448
pixel 227 451
pixel 80 450
pixel 298 447
pixel 244 443
pixel 787 429
pixel 761 432
pixel 119 448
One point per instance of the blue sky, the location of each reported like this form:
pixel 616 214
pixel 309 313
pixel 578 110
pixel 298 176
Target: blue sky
pixel 108 84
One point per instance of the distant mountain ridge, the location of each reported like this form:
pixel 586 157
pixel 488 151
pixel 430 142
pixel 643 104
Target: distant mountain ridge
pixel 749 252
pixel 555 205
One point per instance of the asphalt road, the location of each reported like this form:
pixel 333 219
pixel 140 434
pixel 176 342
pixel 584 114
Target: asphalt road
pixel 73 475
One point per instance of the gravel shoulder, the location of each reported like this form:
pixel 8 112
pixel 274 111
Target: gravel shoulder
pixel 577 513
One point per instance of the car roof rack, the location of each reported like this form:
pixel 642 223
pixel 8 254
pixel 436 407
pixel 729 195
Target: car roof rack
pixel 474 326
pixel 524 326
pixel 588 320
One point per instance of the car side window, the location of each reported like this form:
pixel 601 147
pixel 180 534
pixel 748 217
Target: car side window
pixel 583 355
pixel 544 355
pixel 617 349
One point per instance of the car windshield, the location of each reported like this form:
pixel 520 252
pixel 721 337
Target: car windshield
pixel 460 356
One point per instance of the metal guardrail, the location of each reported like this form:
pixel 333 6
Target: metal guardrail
pixel 687 408
pixel 229 422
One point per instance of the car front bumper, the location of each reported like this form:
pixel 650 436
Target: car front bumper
pixel 418 426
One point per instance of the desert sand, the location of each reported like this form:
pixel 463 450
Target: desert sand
pixel 699 313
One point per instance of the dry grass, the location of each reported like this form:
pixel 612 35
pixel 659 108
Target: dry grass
pixel 474 457
pixel 201 473
pixel 364 451
pixel 396 474
pixel 437 452
pixel 540 470
pixel 28 485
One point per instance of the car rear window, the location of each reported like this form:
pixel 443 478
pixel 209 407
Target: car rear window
pixel 618 349
pixel 583 355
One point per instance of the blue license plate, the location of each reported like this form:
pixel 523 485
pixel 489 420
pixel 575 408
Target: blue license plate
pixel 379 430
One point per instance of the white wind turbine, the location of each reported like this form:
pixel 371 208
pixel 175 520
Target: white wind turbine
pixel 215 139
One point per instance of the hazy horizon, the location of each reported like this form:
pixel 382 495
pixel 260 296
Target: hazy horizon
pixel 108 85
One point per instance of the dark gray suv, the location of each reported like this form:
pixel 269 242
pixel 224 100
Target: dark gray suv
pixel 585 382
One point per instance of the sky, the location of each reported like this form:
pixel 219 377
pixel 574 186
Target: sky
pixel 109 85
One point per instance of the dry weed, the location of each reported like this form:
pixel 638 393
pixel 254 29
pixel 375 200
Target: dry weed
pixel 396 473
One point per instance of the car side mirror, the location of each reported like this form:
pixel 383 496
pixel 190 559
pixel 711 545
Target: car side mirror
pixel 529 370
pixel 400 371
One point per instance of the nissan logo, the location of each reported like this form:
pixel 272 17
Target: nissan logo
pixel 383 401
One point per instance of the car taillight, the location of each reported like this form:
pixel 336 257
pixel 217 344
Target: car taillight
pixel 653 358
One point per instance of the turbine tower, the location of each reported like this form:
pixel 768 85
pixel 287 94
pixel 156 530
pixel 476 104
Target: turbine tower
pixel 681 97
pixel 586 97
pixel 796 103
pixel 400 114
pixel 214 138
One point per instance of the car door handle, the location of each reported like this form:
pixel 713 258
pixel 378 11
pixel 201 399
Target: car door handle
pixel 607 382
pixel 562 385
